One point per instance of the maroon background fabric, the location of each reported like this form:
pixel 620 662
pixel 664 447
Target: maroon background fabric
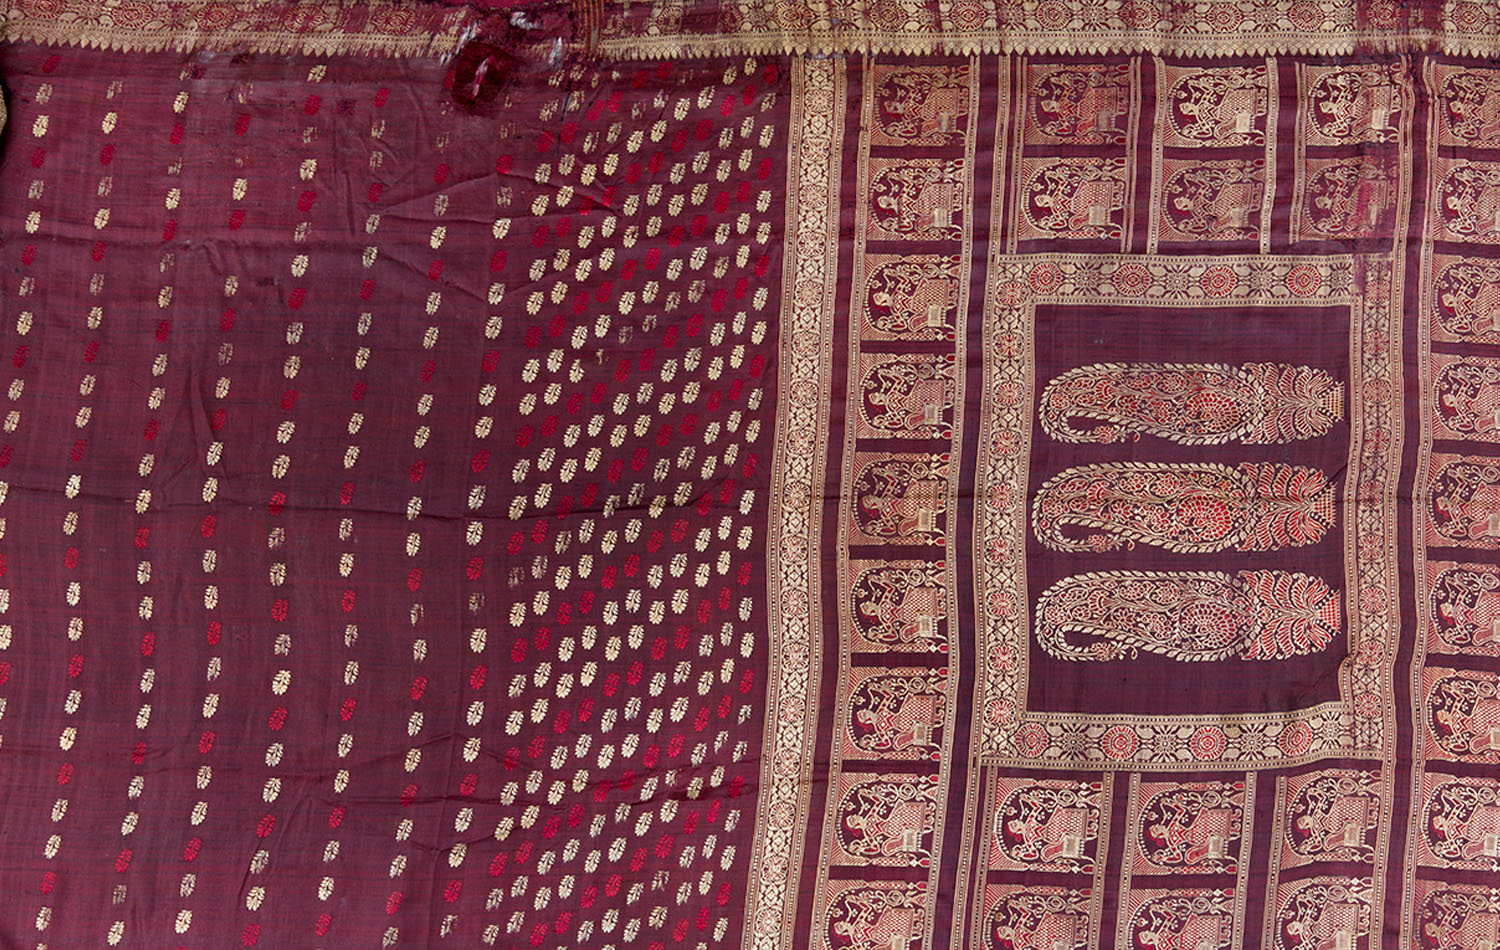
pixel 373 573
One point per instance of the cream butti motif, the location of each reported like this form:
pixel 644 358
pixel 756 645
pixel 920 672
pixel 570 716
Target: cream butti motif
pixel 1190 508
pixel 1193 615
pixel 1191 403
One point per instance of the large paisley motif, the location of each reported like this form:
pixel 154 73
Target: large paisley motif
pixel 1190 508
pixel 1191 403
pixel 1193 615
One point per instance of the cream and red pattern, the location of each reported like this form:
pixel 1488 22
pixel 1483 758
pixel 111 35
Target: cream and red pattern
pixel 1331 815
pixel 1039 918
pixel 1190 508
pixel 1017 288
pixel 1455 916
pixel 1463 608
pixel 1197 918
pixel 1323 912
pixel 1456 741
pixel 1194 404
pixel 1109 559
pixel 1252 615
pixel 1048 825
pixel 1189 828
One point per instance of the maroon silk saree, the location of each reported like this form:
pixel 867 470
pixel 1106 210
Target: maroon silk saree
pixel 855 476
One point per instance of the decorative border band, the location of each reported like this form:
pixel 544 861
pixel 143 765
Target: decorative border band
pixel 310 27
pixel 703 28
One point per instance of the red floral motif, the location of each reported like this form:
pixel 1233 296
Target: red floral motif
pixel 1306 15
pixel 1224 17
pixel 999 496
pixel 1208 743
pixel 996 551
pixel 395 20
pixel 1053 14
pixel 131 14
pixel 1218 281
pixel 1000 713
pixel 217 16
pixel 1372 599
pixel 1031 739
pixel 1303 280
pixel 1383 15
pixel 1006 441
pixel 1046 277
pixel 884 14
pixel 794 16
pixel 1132 279
pixel 1296 739
pixel 1367 704
pixel 1140 14
pixel 967 14
pixel 1003 604
pixel 1119 742
pixel 1470 17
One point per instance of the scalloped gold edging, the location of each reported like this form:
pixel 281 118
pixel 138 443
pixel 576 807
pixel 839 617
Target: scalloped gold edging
pixel 990 42
pixel 311 27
